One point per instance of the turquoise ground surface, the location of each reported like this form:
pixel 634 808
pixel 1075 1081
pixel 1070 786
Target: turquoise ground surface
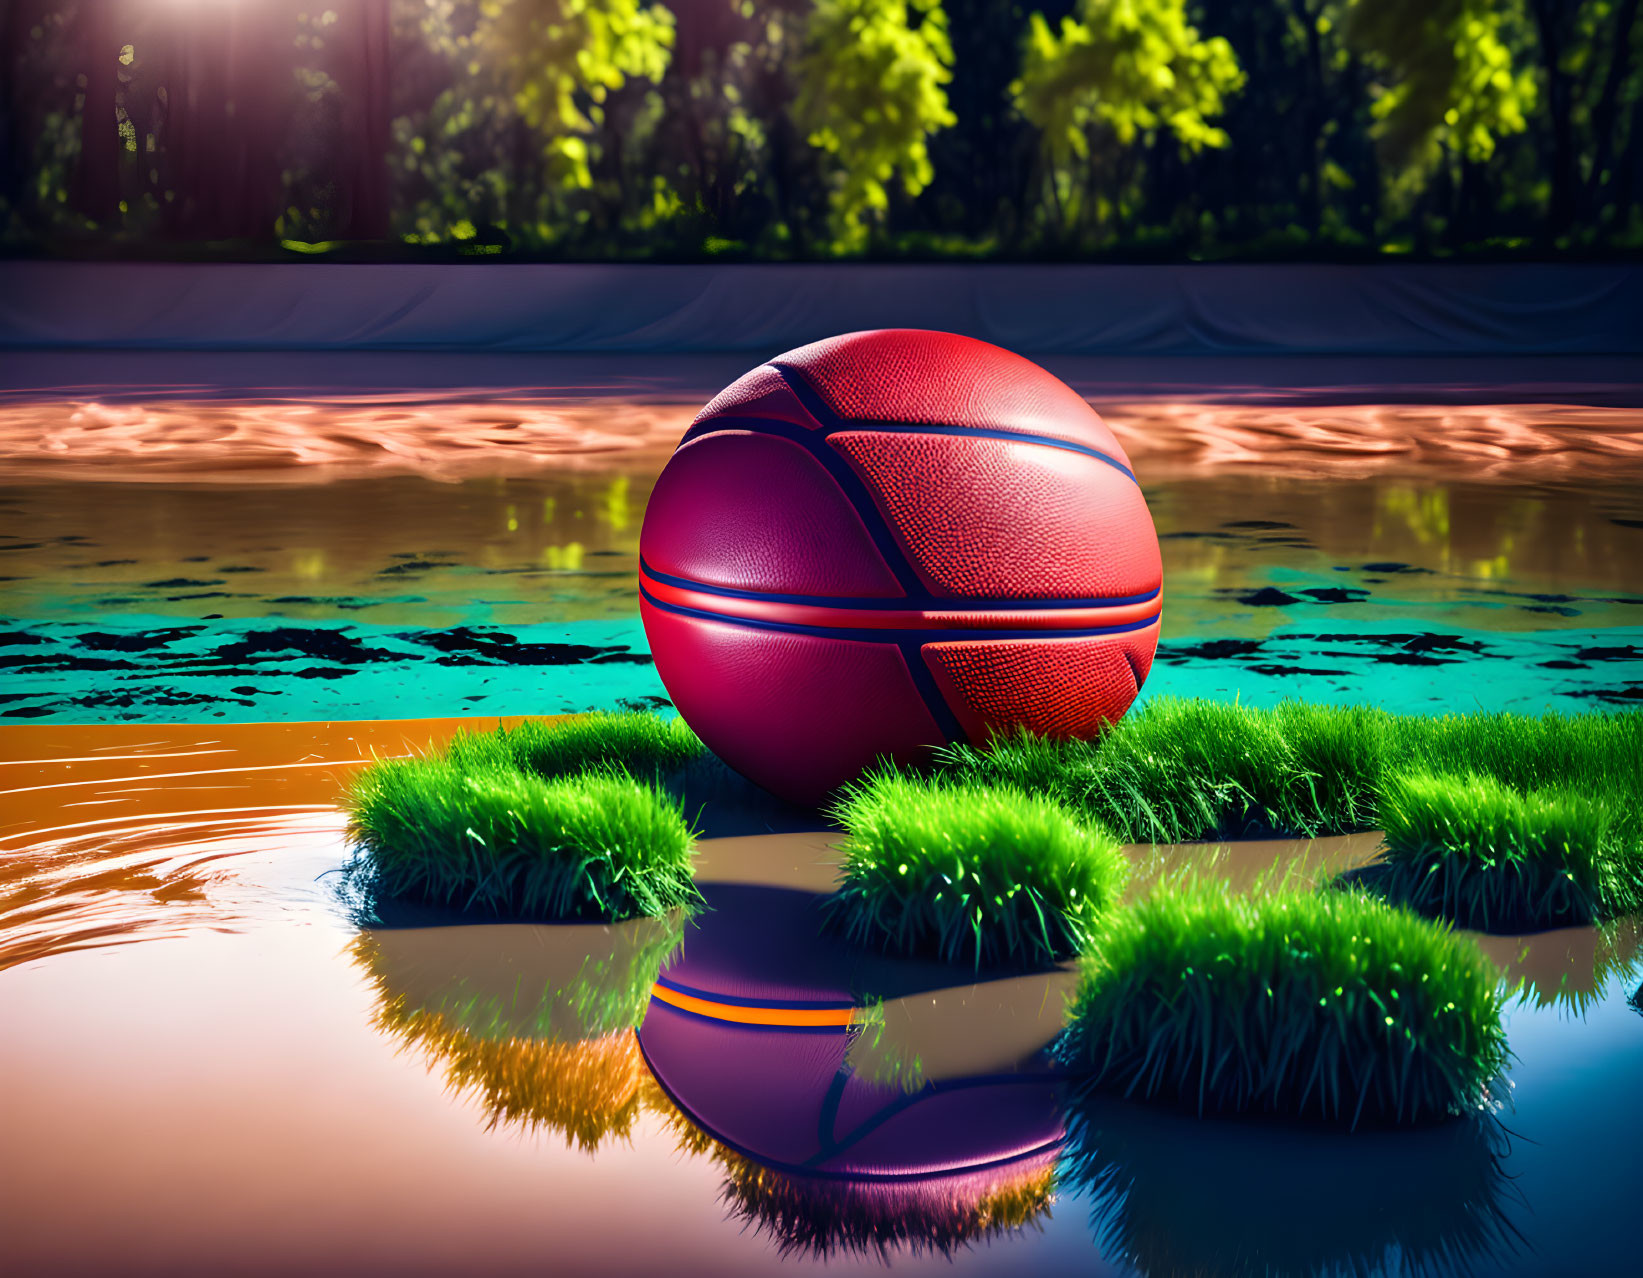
pixel 155 668
pixel 404 598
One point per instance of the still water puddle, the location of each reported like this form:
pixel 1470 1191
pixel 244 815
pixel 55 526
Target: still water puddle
pixel 208 1064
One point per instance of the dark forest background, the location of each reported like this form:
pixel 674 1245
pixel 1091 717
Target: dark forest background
pixel 776 129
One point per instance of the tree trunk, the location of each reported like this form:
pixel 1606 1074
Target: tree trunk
pixel 96 190
pixel 18 116
pixel 1560 101
pixel 363 176
pixel 1603 115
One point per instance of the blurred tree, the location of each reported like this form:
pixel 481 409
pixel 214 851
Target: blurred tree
pixel 871 79
pixel 726 139
pixel 1450 90
pixel 528 85
pixel 1587 55
pixel 1118 73
pixel 559 59
pixel 985 160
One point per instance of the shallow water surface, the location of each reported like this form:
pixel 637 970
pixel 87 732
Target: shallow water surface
pixel 209 1063
pixel 220 602
pixel 403 596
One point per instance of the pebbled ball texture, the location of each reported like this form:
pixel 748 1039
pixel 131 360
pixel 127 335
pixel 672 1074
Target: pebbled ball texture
pixel 891 540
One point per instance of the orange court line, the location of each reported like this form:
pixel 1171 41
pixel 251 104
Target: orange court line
pixel 796 1016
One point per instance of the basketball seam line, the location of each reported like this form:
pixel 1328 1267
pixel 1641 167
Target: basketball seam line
pixel 810 399
pixel 820 1173
pixel 893 603
pixel 855 492
pixel 941 711
pixel 1135 670
pixel 761 425
pixel 929 691
pixel 919 637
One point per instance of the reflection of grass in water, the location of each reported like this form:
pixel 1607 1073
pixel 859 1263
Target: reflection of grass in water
pixel 974 874
pixel 590 1091
pixel 606 992
pixel 1173 1195
pixel 588 1083
pixel 1580 980
pixel 1324 1006
pixel 874 1057
pixel 819 1217
pixel 507 843
pixel 1472 850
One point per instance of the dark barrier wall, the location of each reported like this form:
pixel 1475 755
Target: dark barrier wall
pixel 1044 309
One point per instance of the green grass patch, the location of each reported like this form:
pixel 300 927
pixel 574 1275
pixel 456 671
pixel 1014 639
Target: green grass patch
pixel 1332 1007
pixel 1178 770
pixel 642 744
pixel 1530 797
pixel 496 840
pixel 1472 849
pixel 988 875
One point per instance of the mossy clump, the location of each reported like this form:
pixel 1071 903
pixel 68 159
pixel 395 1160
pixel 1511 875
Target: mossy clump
pixel 496 840
pixel 1471 849
pixel 645 745
pixel 986 875
pixel 1331 1007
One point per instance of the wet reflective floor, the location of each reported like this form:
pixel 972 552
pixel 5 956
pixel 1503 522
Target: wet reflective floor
pixel 403 596
pixel 216 605
pixel 209 1064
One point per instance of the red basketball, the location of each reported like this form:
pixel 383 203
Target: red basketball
pixel 892 540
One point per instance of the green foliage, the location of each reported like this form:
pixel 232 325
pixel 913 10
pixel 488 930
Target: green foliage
pixel 1332 1007
pixel 870 92
pixel 531 75
pixel 1471 849
pixel 809 128
pixel 984 874
pixel 1120 71
pixel 498 841
pixel 1451 79
pixel 560 60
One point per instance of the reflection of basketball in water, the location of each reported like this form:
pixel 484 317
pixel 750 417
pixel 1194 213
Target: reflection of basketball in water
pixel 932 1126
pixel 891 540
